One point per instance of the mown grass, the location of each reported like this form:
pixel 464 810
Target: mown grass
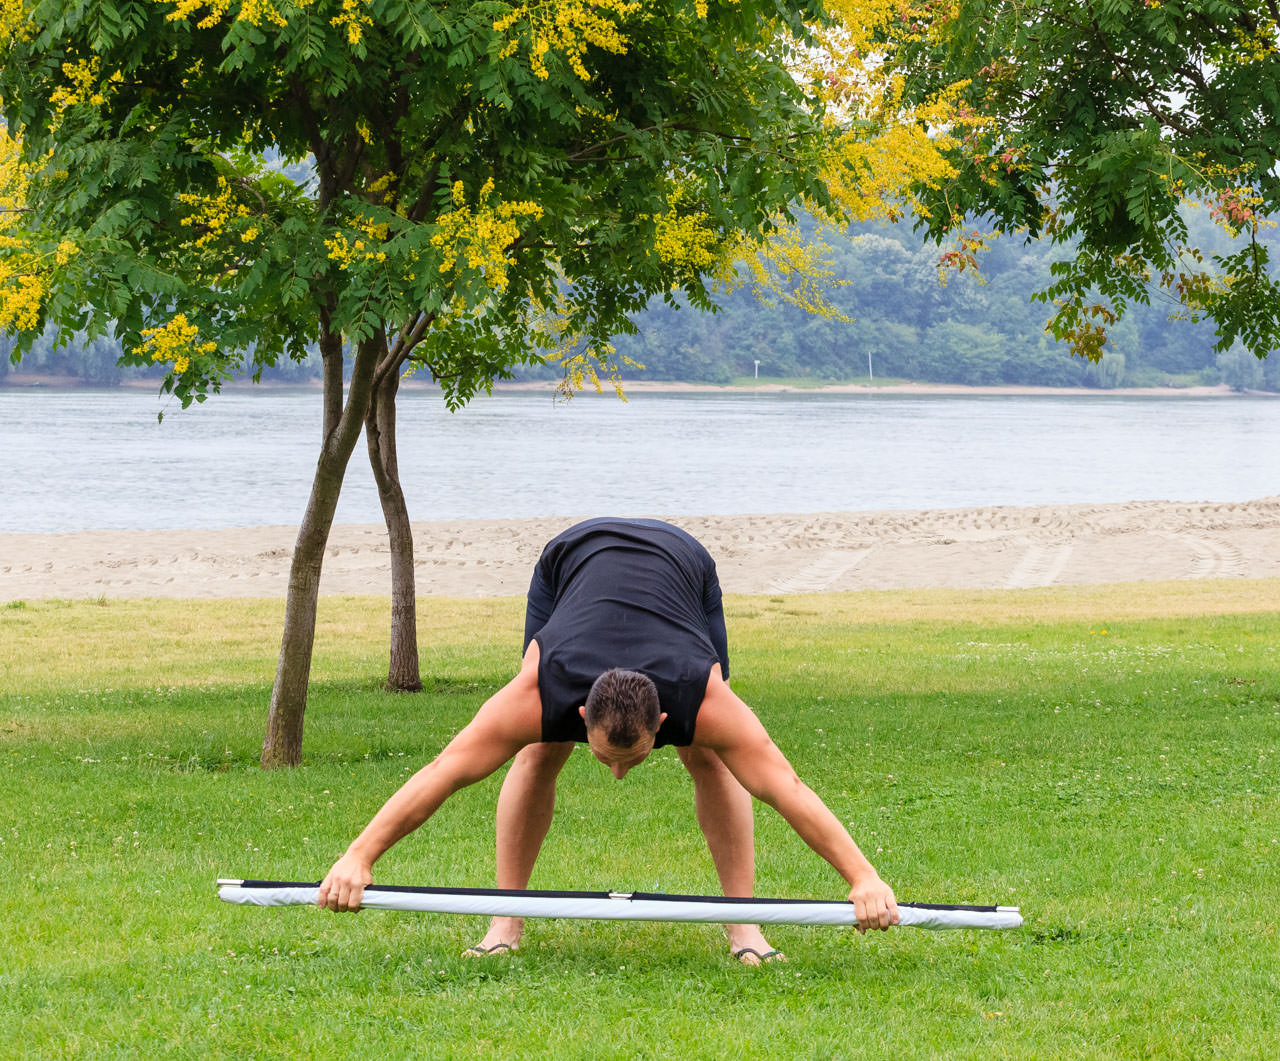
pixel 1104 758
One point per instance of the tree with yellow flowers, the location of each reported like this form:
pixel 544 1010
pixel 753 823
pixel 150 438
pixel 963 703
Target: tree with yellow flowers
pixel 485 184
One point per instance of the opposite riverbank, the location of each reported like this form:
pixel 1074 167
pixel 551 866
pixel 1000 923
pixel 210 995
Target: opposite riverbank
pixel 48 381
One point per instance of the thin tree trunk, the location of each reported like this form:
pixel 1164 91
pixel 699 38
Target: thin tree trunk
pixel 403 674
pixel 342 423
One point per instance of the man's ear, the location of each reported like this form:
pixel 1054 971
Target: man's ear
pixel 582 712
pixel 661 719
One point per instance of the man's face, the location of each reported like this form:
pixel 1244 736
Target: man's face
pixel 618 760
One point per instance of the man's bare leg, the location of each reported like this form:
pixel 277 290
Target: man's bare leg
pixel 728 822
pixel 525 808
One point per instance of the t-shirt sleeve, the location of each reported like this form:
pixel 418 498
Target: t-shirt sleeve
pixel 539 605
pixel 713 607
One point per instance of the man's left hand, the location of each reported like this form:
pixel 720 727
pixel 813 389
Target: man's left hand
pixel 873 904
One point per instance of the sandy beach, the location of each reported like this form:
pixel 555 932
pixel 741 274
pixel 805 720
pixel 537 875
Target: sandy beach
pixel 975 548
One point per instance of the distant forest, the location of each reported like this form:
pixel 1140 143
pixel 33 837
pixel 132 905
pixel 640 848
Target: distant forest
pixel 979 330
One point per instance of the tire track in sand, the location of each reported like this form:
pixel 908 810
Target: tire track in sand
pixel 1210 557
pixel 1040 565
pixel 820 573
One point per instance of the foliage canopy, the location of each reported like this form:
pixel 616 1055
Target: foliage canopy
pixel 482 180
pixel 1091 122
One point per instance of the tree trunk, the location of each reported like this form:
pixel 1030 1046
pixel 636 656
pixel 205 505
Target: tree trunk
pixel 283 743
pixel 403 675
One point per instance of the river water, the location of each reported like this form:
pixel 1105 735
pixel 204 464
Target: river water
pixel 81 460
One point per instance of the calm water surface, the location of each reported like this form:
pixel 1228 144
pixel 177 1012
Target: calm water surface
pixel 98 459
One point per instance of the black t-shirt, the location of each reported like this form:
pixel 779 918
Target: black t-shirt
pixel 637 594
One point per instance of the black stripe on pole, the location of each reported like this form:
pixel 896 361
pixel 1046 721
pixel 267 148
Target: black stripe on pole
pixel 647 896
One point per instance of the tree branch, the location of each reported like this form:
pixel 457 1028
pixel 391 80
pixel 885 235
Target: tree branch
pixel 418 210
pixel 450 121
pixel 320 148
pixel 398 352
pixel 354 152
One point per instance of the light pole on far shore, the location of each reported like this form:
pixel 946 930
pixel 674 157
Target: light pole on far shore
pixel 757 370
pixel 870 377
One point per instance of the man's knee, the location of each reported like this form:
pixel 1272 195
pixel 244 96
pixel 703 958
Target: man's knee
pixel 702 763
pixel 545 759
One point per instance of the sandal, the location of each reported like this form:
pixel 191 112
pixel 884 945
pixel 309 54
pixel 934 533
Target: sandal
pixel 483 952
pixel 760 959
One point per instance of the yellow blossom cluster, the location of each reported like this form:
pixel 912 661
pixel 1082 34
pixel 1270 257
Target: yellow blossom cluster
pixel 482 234
pixel 685 239
pixel 175 342
pixel 845 62
pixel 22 291
pixel 256 12
pixel 880 146
pixel 363 248
pixel 260 11
pixel 869 176
pixel 583 363
pixel 566 27
pixel 347 252
pixel 1257 46
pixel 797 271
pixel 353 19
pixel 373 229
pixel 212 214
pixel 85 77
pixel 15 20
pixel 384 186
pixel 857 23
pixel 582 370
pixel 700 7
pixel 23 279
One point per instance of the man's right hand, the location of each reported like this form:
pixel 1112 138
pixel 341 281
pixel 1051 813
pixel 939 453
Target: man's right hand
pixel 344 886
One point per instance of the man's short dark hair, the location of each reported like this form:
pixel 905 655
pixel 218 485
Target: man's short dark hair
pixel 624 704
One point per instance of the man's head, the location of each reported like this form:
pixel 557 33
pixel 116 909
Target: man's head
pixel 622 716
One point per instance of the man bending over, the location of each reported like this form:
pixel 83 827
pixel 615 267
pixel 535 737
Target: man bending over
pixel 624 650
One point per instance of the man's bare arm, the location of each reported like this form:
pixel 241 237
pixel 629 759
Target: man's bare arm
pixel 509 720
pixel 730 728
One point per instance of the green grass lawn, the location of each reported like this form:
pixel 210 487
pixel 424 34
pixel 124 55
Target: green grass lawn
pixel 1104 758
